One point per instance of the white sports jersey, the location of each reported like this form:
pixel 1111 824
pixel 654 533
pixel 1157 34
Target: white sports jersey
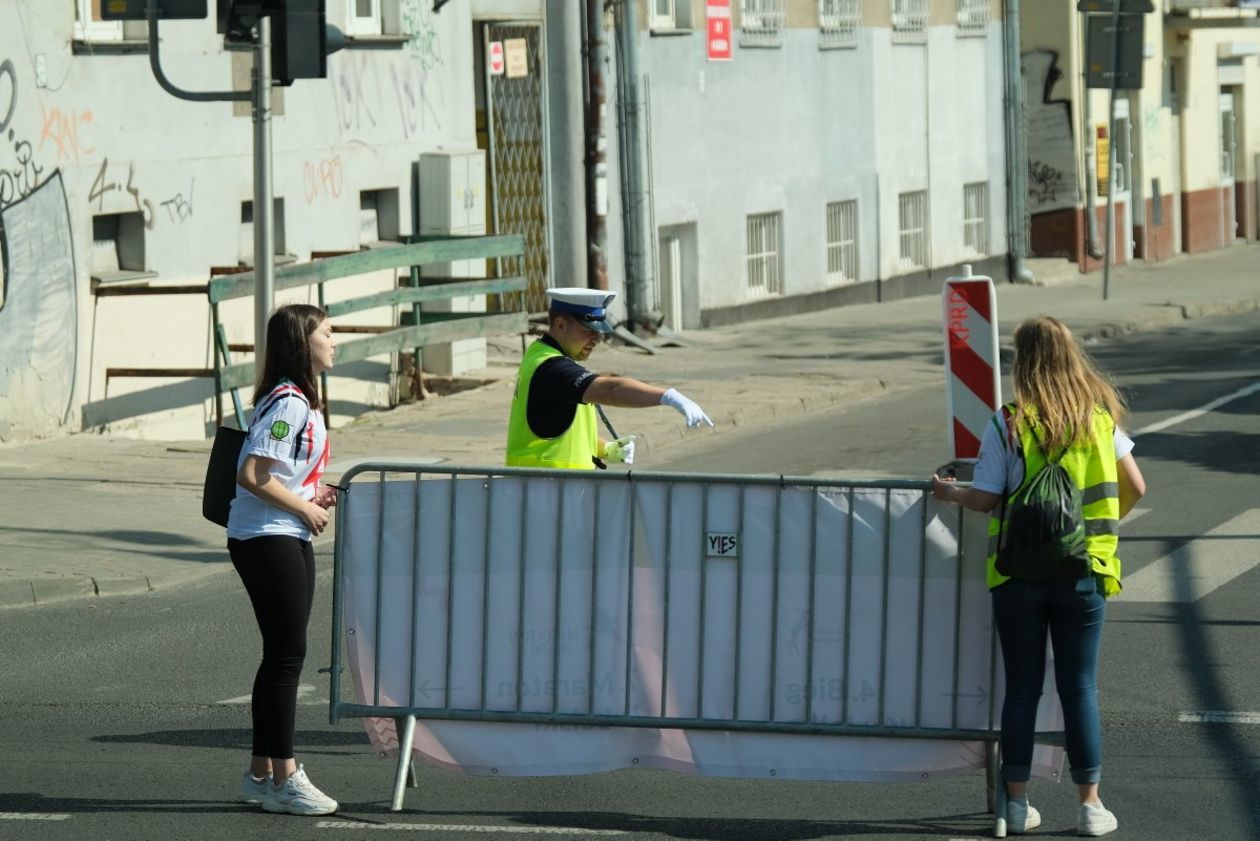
pixel 285 428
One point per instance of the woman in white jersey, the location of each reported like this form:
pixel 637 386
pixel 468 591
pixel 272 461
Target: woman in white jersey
pixel 279 505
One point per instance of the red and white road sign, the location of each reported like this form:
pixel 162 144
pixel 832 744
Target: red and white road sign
pixel 718 13
pixel 973 386
pixel 494 58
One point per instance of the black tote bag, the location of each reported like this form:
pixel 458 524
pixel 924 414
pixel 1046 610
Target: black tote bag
pixel 220 488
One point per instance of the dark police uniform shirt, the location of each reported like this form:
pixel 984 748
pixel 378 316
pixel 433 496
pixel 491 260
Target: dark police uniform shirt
pixel 555 391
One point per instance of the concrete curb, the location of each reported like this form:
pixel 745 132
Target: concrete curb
pixel 40 591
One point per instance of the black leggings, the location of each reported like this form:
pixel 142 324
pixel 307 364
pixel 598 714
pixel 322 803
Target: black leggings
pixel 279 575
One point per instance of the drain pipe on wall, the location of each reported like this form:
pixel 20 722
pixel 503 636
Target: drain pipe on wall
pixel 640 309
pixel 596 145
pixel 1092 246
pixel 1016 151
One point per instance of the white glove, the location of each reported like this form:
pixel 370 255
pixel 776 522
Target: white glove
pixel 620 451
pixel 689 409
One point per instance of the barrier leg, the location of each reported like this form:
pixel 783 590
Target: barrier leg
pixel 999 800
pixel 991 776
pixel 406 736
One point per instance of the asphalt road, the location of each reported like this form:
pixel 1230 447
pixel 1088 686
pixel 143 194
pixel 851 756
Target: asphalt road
pixel 127 718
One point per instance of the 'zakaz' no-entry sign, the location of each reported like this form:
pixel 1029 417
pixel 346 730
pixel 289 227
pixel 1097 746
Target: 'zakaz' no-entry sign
pixel 973 390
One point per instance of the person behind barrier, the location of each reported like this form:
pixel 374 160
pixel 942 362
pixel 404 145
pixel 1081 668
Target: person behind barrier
pixel 279 505
pixel 1062 406
pixel 552 421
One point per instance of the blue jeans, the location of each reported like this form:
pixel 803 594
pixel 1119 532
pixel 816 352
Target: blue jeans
pixel 1073 614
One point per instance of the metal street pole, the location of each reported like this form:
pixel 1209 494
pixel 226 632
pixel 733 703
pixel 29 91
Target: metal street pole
pixel 264 217
pixel 1110 226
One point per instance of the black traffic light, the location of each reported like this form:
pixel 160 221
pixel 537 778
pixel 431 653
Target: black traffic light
pixel 167 9
pixel 300 39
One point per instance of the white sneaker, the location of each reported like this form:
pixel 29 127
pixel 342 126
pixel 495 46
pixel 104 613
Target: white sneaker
pixel 252 790
pixel 1020 817
pixel 1094 819
pixel 298 796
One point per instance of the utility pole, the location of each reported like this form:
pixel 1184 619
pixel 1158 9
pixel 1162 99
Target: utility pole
pixel 264 211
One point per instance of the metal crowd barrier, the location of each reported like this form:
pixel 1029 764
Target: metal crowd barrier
pixel 666 606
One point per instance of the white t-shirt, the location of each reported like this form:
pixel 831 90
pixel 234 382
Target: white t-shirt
pixel 283 427
pixel 1000 468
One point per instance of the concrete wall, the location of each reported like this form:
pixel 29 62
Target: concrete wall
pixel 789 129
pixel 94 112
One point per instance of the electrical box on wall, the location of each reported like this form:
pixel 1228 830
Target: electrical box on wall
pixel 452 202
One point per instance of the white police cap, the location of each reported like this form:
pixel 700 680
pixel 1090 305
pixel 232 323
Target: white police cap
pixel 586 305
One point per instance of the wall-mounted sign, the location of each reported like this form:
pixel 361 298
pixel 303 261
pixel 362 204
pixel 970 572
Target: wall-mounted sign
pixel 495 61
pixel 517 58
pixel 721 544
pixel 1102 156
pixel 718 14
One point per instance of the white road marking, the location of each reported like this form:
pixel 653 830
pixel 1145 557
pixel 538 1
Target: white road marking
pixel 302 691
pixel 32 816
pixel 1135 514
pixel 1219 717
pixel 1190 572
pixel 1199 412
pixel 457 827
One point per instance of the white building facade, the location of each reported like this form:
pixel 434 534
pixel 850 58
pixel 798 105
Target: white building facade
pixel 845 151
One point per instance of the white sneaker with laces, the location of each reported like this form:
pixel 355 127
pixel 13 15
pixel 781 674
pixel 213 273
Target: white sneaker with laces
pixel 1094 819
pixel 298 796
pixel 1020 817
pixel 252 790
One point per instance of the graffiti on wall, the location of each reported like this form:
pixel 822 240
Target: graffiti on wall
pixel 67 132
pixel 19 170
pixel 39 320
pixel 178 208
pixel 371 93
pixel 1051 153
pixel 105 184
pixel 420 24
pixel 323 179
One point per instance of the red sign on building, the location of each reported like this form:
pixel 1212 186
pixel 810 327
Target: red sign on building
pixel 494 58
pixel 718 13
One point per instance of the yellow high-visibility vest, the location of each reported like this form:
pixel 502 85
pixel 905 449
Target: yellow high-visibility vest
pixel 574 449
pixel 1092 466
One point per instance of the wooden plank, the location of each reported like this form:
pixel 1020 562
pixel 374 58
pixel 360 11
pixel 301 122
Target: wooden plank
pixel 470 326
pixel 158 372
pixel 361 328
pixel 442 250
pixel 414 295
pixel 121 291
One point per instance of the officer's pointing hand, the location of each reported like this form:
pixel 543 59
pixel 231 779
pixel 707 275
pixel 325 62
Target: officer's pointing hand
pixel 686 406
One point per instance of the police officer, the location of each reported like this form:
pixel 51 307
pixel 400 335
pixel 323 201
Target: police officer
pixel 553 423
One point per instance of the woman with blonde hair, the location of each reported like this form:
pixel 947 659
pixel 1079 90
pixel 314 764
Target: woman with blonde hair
pixel 1066 413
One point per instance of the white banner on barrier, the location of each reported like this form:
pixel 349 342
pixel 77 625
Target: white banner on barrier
pixel 717 636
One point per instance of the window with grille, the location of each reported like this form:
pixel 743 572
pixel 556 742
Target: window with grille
pixel 973 17
pixel 909 21
pixel 912 223
pixel 765 263
pixel 838 22
pixel 842 250
pixel 976 217
pixel 761 22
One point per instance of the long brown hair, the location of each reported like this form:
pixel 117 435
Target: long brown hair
pixel 1057 381
pixel 289 351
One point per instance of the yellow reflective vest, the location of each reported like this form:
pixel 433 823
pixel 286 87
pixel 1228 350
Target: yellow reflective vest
pixel 1092 466
pixel 574 449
